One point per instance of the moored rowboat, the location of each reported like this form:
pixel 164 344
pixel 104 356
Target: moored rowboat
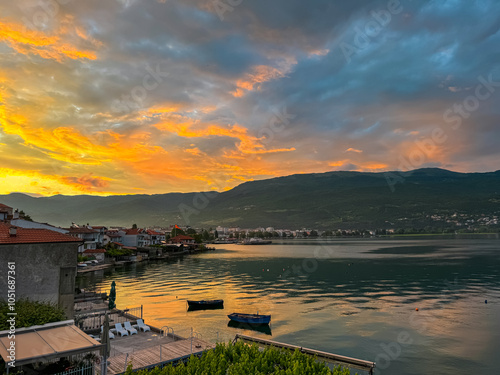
pixel 206 303
pixel 250 318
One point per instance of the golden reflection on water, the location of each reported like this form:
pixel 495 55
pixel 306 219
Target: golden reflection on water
pixel 351 303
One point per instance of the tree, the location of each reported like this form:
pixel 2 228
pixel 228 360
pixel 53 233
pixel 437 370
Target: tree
pixel 177 232
pixel 134 226
pixel 216 234
pixel 313 234
pixel 206 235
pixel 24 216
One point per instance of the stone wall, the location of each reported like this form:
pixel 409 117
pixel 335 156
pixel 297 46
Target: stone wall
pixel 44 272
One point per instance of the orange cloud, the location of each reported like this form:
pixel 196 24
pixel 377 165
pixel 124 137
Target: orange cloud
pixel 359 166
pixel 350 149
pixel 30 181
pixel 87 182
pixel 247 144
pixel 32 42
pixel 260 74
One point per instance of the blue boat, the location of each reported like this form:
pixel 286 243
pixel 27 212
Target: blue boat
pixel 250 318
pixel 206 304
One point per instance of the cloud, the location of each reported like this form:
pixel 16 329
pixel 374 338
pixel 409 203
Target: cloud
pixel 87 181
pixel 350 149
pixel 47 46
pixel 112 97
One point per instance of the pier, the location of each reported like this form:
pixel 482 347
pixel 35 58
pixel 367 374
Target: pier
pixel 151 349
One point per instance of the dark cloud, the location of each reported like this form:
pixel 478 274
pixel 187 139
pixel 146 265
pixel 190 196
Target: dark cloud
pixel 377 76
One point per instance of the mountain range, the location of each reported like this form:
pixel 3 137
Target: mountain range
pixel 329 200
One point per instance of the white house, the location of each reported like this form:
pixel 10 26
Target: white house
pixel 98 254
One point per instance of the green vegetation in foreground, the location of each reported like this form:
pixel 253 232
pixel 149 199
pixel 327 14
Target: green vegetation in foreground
pixel 242 359
pixel 30 313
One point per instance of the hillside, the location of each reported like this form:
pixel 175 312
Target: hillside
pixel 324 201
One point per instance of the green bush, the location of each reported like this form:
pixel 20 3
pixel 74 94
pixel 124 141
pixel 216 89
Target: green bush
pixel 242 359
pixel 30 313
pixel 82 258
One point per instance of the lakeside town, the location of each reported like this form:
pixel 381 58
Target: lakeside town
pixel 45 311
pixel 115 245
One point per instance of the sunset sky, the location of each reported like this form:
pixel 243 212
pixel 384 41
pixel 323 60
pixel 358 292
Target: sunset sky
pixel 143 96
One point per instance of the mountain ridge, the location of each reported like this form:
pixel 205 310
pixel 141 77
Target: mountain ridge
pixel 337 199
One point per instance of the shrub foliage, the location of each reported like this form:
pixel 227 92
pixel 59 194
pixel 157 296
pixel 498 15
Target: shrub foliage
pixel 30 313
pixel 242 359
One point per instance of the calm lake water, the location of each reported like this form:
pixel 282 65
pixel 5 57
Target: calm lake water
pixel 351 297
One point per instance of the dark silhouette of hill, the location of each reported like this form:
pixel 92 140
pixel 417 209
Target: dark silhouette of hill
pixel 323 200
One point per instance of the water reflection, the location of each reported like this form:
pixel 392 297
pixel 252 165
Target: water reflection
pixel 354 297
pixel 262 328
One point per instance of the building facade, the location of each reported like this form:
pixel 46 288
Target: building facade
pixel 45 264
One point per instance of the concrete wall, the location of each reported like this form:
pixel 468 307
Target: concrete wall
pixel 44 272
pixel 33 224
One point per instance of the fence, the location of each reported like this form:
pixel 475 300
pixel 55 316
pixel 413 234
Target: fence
pixel 92 321
pixel 85 370
pixel 134 312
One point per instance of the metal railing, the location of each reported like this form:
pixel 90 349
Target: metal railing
pixel 134 312
pixel 165 331
pixel 85 370
pixel 93 320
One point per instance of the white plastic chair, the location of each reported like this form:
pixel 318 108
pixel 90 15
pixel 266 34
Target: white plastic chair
pixel 129 328
pixel 111 334
pixel 140 325
pixel 121 330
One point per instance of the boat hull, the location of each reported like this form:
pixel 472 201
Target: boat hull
pixel 250 318
pixel 206 304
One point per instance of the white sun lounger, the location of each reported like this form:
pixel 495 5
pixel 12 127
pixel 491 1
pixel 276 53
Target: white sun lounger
pixel 111 334
pixel 140 325
pixel 121 330
pixel 129 328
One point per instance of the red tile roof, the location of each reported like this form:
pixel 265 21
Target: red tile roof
pixel 181 237
pixel 94 251
pixel 4 208
pixel 81 230
pixel 132 231
pixel 24 235
pixel 154 233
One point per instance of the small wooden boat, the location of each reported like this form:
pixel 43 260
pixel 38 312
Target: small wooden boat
pixel 206 304
pixel 250 318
